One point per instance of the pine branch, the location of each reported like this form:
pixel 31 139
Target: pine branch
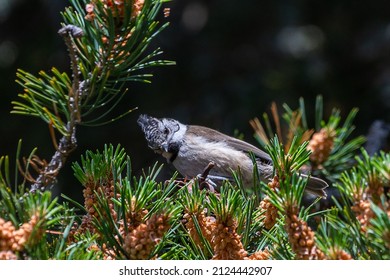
pixel 68 142
pixel 108 45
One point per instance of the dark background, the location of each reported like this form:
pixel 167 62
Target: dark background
pixel 233 59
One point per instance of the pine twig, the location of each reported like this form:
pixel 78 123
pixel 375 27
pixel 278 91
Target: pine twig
pixel 68 142
pixel 203 177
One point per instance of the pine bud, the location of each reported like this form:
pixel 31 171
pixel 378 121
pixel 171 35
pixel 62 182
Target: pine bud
pixel 227 243
pixel 321 145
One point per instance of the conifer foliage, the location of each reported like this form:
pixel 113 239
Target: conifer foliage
pixel 138 217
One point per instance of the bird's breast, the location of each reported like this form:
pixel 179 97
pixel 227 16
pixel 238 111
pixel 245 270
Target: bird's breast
pixel 197 152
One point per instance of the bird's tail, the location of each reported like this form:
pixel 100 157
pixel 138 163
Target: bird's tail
pixel 316 186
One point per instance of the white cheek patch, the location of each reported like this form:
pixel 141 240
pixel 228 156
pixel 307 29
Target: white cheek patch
pixel 178 135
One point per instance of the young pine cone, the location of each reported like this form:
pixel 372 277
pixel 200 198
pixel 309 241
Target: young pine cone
pixel 363 213
pixel 140 242
pixel 91 202
pixel 14 240
pixel 338 254
pixel 301 238
pixel 260 255
pixel 271 212
pixel 7 255
pixel 23 234
pixel 206 224
pixel 321 145
pixel 227 243
pixel 117 8
pixel 7 238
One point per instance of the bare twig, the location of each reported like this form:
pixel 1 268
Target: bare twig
pixel 207 170
pixel 68 142
pixel 48 177
pixel 203 182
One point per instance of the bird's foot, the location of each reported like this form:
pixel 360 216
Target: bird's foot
pixel 205 180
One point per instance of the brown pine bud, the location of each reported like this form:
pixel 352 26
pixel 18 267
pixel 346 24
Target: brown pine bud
pixel 270 213
pixel 321 145
pixel 140 242
pixel 260 255
pixel 227 243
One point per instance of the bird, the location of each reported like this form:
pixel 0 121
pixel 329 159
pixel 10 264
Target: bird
pixel 190 148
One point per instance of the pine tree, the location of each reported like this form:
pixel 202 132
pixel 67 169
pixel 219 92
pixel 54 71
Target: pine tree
pixel 138 217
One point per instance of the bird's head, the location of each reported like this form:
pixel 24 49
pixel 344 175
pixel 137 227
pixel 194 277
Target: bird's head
pixel 160 133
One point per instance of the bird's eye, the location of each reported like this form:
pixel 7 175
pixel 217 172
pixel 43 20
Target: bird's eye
pixel 166 131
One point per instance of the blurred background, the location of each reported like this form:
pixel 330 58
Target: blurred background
pixel 233 59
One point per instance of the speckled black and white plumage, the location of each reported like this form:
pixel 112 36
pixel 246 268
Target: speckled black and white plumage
pixel 190 148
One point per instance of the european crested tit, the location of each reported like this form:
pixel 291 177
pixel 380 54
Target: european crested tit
pixel 190 148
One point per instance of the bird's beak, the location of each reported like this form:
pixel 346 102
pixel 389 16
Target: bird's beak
pixel 164 147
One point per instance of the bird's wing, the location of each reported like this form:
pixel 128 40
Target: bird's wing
pixel 231 141
pixel 248 148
